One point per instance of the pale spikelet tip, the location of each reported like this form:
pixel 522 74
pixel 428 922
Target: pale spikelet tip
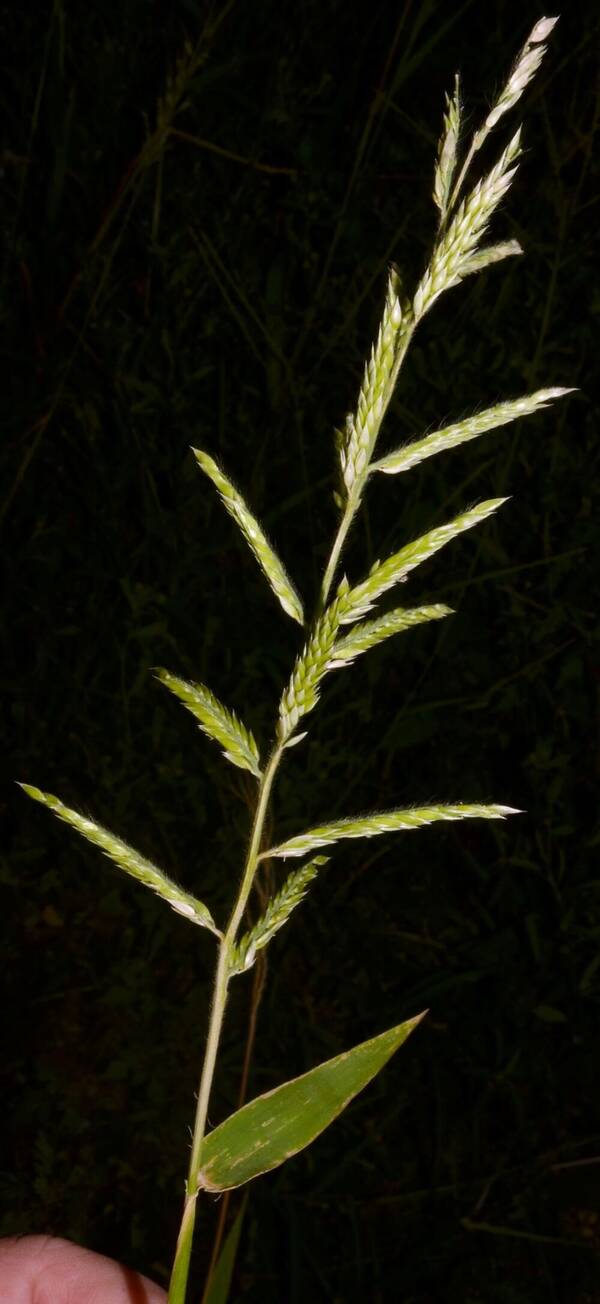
pixel 542 29
pixel 490 505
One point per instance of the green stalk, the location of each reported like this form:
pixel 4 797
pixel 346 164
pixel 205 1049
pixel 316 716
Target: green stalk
pixel 456 189
pixel 181 1264
pixel 340 538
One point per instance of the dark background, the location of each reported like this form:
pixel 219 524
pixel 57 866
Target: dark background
pixel 221 287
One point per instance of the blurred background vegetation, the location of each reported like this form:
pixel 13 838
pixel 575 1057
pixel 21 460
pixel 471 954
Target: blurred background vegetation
pixel 199 204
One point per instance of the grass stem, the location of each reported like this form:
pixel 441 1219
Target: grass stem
pixel 181 1264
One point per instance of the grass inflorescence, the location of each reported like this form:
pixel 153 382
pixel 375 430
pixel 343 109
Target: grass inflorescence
pixel 336 632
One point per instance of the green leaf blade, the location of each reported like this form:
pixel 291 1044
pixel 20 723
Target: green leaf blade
pixel 277 1125
pixel 392 821
pixel 255 537
pixel 216 721
pixel 128 859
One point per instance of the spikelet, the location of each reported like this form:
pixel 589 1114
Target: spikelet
pixel 384 575
pixel 447 149
pixel 371 632
pixel 459 242
pixel 462 431
pixel 392 821
pixel 356 445
pixel 320 652
pixel 524 69
pixel 255 536
pixel 277 912
pixel 128 860
pixel 490 254
pixel 215 721
pixel 302 692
